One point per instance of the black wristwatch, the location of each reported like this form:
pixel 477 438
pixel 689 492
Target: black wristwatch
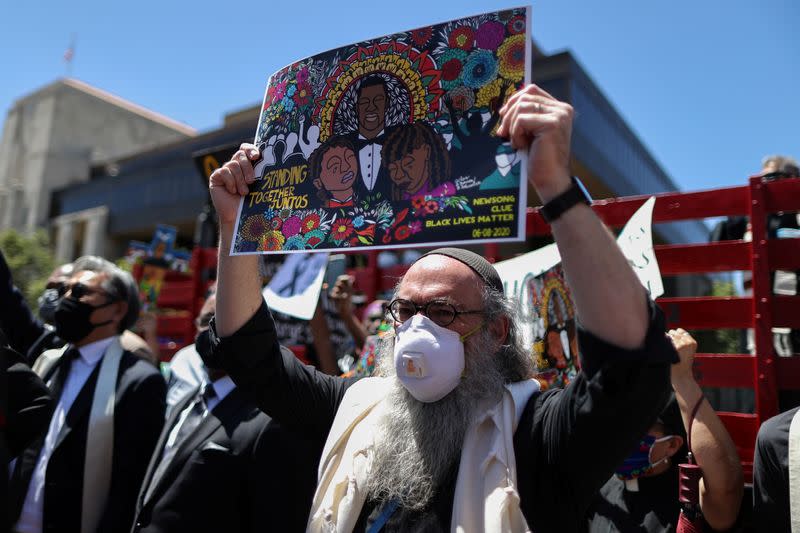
pixel 556 207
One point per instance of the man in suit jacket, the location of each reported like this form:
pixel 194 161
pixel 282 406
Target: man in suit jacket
pixel 83 474
pixel 230 469
pixel 25 410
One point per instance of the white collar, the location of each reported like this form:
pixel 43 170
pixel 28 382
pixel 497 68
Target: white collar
pixel 362 138
pixel 93 352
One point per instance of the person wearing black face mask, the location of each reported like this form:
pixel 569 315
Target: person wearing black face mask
pixel 221 464
pixel 85 471
pixel 26 334
pixel 30 335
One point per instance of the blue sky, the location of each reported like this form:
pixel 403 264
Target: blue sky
pixel 709 86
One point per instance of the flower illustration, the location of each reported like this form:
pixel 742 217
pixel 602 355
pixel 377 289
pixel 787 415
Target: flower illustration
pixel 246 246
pixel 285 213
pixel 415 227
pixel 303 95
pixel 287 102
pixel 462 98
pixel 489 92
pixel 270 213
pixel 254 227
pixel 421 36
pixel 272 241
pixel 516 25
pixel 280 90
pixel 276 223
pixel 291 89
pixel 310 222
pixel 418 202
pixel 452 61
pixel 480 69
pixel 402 232
pixel 291 226
pixel 431 206
pixel 295 242
pixel 512 58
pixel 489 35
pixel 341 229
pixel 313 238
pixel 302 76
pixel 462 37
pixel 358 222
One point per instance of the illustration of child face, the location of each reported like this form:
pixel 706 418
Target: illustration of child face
pixel 410 172
pixel 338 171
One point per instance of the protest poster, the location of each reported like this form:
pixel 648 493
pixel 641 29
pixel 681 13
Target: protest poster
pixel 391 142
pixel 156 258
pixel 536 281
pixel 295 287
pixel 160 250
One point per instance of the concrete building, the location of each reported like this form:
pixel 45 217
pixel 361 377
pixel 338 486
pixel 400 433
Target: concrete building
pixel 52 138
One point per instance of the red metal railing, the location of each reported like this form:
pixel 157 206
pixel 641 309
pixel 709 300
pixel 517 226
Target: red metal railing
pixel 764 372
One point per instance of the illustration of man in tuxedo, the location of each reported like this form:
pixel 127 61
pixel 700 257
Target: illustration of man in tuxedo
pixel 372 101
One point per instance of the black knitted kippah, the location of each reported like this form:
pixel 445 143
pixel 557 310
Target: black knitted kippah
pixel 479 264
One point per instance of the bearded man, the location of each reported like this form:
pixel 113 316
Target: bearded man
pixel 454 435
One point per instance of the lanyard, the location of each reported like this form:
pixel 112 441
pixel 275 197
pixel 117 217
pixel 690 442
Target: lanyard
pixel 388 511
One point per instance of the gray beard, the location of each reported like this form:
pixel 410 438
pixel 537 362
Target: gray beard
pixel 418 445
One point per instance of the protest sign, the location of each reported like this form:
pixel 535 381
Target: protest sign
pixel 294 289
pixel 391 142
pixel 156 257
pixel 536 280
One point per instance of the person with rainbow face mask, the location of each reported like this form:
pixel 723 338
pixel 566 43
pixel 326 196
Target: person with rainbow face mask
pixel 642 495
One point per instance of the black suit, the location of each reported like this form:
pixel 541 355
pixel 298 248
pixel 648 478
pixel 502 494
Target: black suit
pixel 383 182
pixel 24 413
pixel 138 417
pixel 237 471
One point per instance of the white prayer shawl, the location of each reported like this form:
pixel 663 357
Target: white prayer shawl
pixel 100 436
pixel 794 473
pixel 486 497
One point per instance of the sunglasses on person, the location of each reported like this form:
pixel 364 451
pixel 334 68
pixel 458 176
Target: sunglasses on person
pixel 79 290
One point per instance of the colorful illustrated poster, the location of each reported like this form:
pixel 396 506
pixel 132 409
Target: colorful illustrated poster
pixel 547 313
pixel 391 142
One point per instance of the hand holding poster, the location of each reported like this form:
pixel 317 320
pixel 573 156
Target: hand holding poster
pixel 536 280
pixel 391 142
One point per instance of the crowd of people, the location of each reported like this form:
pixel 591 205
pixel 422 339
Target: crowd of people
pixel 439 426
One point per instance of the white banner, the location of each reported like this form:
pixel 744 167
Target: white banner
pixel 635 240
pixel 294 289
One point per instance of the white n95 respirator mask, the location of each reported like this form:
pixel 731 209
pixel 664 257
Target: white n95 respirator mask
pixel 428 358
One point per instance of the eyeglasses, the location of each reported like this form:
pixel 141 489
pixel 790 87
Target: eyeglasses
pixel 442 313
pixel 79 290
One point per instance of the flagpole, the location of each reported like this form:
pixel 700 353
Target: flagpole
pixel 69 54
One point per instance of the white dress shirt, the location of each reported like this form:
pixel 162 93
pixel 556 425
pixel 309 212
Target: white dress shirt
pixel 30 519
pixel 369 159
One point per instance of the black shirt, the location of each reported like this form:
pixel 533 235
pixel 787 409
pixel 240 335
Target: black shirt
pixel 654 507
pixel 771 474
pixel 567 444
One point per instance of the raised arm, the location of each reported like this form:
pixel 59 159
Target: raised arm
pixel 722 484
pixel 533 118
pixel 242 334
pixel 239 287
